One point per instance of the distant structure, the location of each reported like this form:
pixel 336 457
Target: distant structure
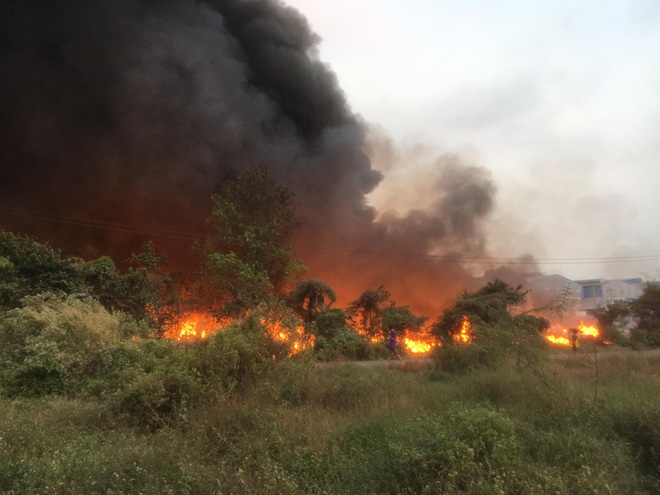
pixel 583 296
pixel 598 293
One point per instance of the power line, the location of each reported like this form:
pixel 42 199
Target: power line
pixel 381 255
pixel 100 224
pixel 488 259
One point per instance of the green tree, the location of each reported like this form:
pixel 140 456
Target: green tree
pixel 487 306
pixel 646 309
pixel 611 320
pixel 334 338
pixel 150 293
pixel 103 281
pixel 249 256
pixel 401 319
pixel 310 297
pixel 367 310
pixel 496 330
pixel 331 322
pixel 29 268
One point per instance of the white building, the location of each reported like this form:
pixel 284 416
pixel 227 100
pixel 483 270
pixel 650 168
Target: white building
pixel 598 293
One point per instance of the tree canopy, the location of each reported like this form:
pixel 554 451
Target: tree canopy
pixel 646 309
pixel 367 310
pixel 29 268
pixel 310 297
pixel 491 304
pixel 249 255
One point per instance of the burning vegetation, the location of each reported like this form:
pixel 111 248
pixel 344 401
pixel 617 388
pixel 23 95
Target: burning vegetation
pixel 564 336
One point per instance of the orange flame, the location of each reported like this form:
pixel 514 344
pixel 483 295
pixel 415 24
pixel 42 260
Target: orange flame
pixel 559 335
pixel 422 342
pixel 297 338
pixel 194 326
pixel 465 336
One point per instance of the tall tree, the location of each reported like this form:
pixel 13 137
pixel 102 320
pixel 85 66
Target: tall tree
pixel 310 297
pixel 490 305
pixel 249 255
pixel 367 310
pixel 401 319
pixel 28 267
pixel 646 309
pixel 156 294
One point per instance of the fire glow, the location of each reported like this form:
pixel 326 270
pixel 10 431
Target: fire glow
pixel 421 344
pixel 298 340
pixel 465 336
pixel 195 326
pixel 199 326
pixel 560 335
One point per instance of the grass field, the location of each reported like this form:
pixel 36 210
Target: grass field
pixel 579 425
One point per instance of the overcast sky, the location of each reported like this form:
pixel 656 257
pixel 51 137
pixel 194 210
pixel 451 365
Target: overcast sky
pixel 559 100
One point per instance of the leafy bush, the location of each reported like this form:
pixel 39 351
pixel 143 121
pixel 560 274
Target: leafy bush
pixel 52 344
pixel 639 425
pixel 461 359
pixel 155 382
pixel 28 268
pixel 66 346
pixel 344 344
pixel 454 452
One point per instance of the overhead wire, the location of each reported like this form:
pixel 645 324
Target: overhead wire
pixel 159 232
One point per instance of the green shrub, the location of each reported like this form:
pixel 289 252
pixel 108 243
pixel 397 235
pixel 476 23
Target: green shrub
pixel 455 452
pixel 53 446
pixel 640 427
pixel 154 382
pixel 52 344
pixel 461 359
pixel 343 344
pixel 348 388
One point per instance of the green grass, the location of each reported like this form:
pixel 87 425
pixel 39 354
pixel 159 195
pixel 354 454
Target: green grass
pixel 575 426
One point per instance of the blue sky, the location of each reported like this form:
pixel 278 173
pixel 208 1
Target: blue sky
pixel 559 100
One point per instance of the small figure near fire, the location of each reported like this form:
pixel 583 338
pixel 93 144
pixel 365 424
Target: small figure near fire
pixel 392 345
pixel 575 339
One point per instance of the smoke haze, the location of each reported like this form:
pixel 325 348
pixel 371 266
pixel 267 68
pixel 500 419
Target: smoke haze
pixel 132 112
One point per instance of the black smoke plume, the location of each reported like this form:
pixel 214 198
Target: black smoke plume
pixel 120 119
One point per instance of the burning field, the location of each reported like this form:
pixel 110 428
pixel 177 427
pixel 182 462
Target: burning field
pixel 199 326
pixel 559 335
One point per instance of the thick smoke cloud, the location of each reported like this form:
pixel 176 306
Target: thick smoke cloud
pixel 132 112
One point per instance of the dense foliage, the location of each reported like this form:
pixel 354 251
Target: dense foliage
pixel 646 309
pixel 91 403
pixel 311 297
pixel 28 268
pixel 218 418
pixel 249 255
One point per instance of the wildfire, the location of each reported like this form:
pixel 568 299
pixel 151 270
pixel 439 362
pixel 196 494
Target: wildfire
pixel 465 336
pixel 421 344
pixel 195 326
pixel 199 326
pixel 297 339
pixel 560 335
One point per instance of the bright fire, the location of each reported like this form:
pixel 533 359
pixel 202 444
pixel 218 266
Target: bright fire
pixel 195 326
pixel 421 344
pixel 298 339
pixel 465 336
pixel 198 326
pixel 560 335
